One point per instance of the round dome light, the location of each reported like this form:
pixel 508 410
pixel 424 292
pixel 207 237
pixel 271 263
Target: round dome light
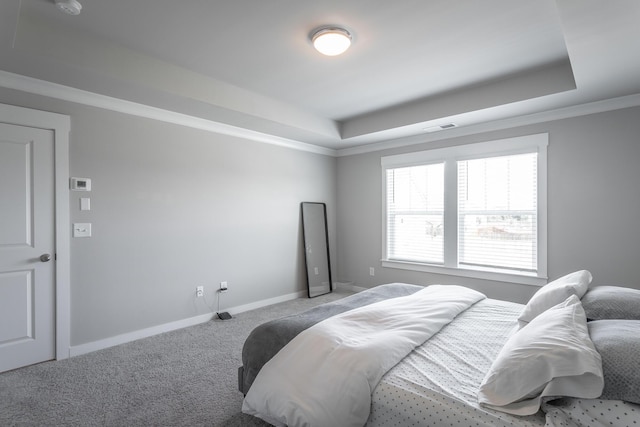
pixel 71 7
pixel 331 41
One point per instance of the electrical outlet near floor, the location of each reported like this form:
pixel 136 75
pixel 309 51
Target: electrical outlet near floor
pixel 200 291
pixel 372 271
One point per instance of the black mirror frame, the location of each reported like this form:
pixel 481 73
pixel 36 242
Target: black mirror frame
pixel 304 238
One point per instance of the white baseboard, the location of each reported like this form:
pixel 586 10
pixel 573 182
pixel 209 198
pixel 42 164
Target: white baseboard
pixel 89 347
pixel 266 302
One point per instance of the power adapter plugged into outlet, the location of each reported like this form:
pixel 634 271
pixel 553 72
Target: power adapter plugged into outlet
pixel 224 287
pixel 224 316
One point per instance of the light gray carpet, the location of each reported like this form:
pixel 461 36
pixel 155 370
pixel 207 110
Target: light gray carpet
pixel 181 378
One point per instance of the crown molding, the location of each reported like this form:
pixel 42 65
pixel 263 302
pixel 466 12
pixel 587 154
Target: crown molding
pixel 528 119
pixel 66 93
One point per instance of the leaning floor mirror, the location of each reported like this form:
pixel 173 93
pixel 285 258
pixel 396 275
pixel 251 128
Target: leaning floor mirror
pixel 316 248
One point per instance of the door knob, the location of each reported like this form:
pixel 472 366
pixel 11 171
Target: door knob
pixel 45 257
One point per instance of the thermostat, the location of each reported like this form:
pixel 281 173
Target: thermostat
pixel 81 184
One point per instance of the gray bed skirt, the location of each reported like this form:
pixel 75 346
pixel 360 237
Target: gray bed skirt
pixel 267 339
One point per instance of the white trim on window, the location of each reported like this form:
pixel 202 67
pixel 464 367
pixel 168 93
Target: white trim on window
pixel 451 155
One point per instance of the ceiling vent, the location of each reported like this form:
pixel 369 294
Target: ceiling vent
pixel 440 127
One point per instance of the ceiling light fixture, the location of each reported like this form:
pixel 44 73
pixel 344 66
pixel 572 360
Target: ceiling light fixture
pixel 70 7
pixel 331 41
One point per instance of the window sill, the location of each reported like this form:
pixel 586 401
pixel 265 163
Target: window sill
pixel 485 274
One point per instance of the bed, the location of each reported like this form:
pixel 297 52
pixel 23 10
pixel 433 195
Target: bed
pixel 454 376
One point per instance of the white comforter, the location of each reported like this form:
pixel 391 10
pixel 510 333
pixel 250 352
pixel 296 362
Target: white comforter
pixel 326 374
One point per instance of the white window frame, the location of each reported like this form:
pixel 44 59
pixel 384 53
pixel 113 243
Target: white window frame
pixel 450 156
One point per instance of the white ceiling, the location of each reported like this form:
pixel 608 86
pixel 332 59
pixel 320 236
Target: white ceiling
pixel 413 63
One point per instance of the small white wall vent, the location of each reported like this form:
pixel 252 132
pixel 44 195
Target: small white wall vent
pixel 70 7
pixel 440 127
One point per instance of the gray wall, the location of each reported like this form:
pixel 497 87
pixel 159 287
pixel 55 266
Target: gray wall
pixel 593 205
pixel 174 207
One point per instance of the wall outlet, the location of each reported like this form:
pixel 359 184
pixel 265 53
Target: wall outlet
pixel 224 286
pixel 81 229
pixel 372 271
pixel 200 291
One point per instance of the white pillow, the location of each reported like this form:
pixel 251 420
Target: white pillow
pixel 554 293
pixel 551 356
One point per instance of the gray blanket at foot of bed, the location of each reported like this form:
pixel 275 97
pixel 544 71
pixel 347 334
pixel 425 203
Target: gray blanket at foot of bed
pixel 267 339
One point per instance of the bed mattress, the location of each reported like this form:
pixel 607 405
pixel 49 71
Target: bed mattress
pixel 437 383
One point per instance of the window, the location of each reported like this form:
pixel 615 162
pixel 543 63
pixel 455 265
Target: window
pixel 416 213
pixel 477 210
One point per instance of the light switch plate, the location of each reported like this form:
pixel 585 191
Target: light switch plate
pixel 85 204
pixel 82 229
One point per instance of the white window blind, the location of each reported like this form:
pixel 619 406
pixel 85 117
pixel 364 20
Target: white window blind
pixel 476 210
pixel 497 212
pixel 415 214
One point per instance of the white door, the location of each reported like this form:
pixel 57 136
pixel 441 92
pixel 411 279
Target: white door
pixel 27 244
